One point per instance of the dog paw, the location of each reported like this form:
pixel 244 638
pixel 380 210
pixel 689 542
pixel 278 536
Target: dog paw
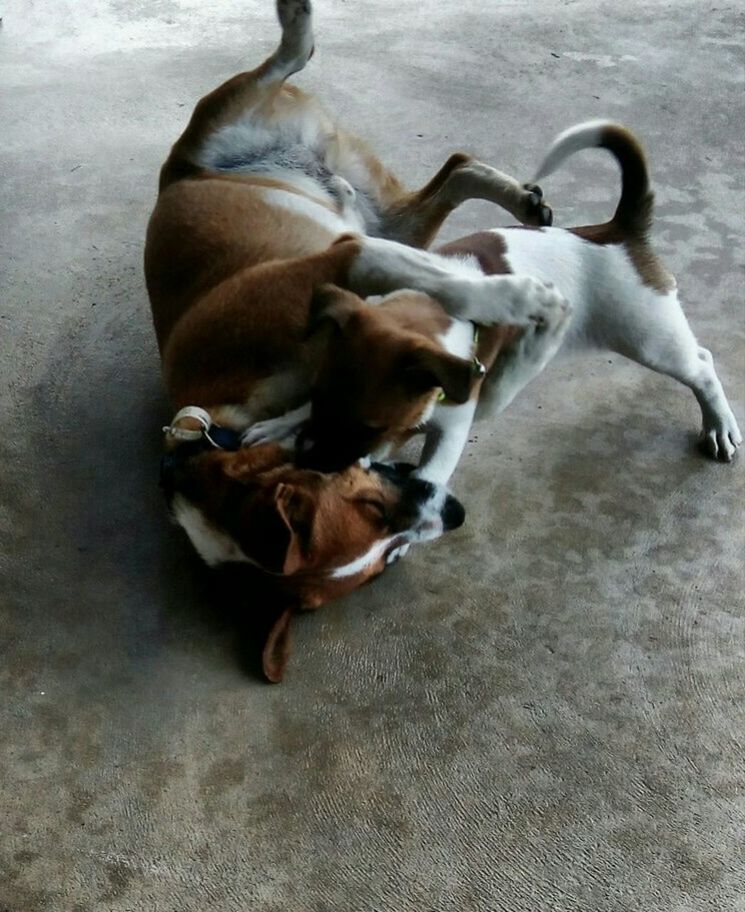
pixel 721 437
pixel 295 17
pixel 537 212
pixel 510 300
pixel 539 341
pixel 273 430
pixel 291 12
pixel 538 303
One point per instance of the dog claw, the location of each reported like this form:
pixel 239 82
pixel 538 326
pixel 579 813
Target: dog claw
pixel 720 443
pixel 537 212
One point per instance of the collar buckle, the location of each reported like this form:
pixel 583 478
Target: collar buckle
pixel 189 434
pixel 217 436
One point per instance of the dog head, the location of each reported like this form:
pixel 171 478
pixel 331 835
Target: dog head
pixel 381 372
pixel 319 535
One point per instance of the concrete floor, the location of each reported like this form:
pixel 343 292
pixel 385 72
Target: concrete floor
pixel 544 711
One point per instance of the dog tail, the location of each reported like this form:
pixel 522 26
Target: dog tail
pixel 634 211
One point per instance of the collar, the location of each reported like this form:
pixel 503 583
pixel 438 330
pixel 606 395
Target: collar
pixel 477 368
pixel 192 443
pixel 221 438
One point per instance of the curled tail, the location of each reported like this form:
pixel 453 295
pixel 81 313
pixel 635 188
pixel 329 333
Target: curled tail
pixel 634 211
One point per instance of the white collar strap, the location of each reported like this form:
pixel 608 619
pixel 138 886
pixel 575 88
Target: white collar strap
pixel 217 436
pixel 190 411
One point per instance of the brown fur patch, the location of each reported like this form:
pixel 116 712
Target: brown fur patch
pixel 648 266
pixel 247 328
pixel 487 247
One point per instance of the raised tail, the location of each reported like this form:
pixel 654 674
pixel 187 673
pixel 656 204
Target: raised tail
pixel 634 211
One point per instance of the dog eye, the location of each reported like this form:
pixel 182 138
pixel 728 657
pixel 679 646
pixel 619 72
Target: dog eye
pixel 378 506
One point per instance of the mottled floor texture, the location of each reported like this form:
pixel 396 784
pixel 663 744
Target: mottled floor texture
pixel 544 711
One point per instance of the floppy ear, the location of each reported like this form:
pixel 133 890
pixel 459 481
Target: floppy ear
pixel 296 510
pixel 279 530
pixel 428 367
pixel 276 651
pixel 333 304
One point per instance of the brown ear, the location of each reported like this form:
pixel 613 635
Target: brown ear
pixel 296 509
pixel 276 527
pixel 276 651
pixel 329 302
pixel 428 367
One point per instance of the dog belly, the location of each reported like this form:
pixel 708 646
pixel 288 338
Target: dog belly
pixel 335 223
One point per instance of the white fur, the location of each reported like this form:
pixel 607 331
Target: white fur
pixel 447 425
pixel 249 135
pixel 585 135
pixel 374 553
pixel 336 222
pixel 277 429
pixel 458 339
pixel 214 546
pixel 446 437
pixel 611 309
pixel 384 266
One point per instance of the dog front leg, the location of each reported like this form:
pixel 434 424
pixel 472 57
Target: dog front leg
pixel 521 361
pixel 445 440
pixel 279 429
pixel 417 217
pixel 381 266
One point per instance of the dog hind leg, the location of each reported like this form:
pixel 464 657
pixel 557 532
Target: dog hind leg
pixel 415 218
pixel 296 47
pixel 661 339
pixel 245 95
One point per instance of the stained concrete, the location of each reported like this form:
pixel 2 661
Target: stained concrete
pixel 543 711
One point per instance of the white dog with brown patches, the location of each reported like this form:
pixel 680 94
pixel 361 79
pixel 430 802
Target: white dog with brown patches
pixel 621 298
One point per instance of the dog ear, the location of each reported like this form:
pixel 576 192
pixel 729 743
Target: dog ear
pixel 277 528
pixel 333 304
pixel 296 510
pixel 278 533
pixel 427 367
pixel 276 651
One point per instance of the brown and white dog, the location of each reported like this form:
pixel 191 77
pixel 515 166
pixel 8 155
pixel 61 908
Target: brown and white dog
pixel 376 383
pixel 256 203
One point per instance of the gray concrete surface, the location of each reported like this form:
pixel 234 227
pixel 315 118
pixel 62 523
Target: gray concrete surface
pixel 545 711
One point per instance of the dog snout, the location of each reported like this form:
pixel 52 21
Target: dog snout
pixel 435 510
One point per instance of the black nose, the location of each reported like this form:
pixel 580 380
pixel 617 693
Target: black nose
pixel 453 513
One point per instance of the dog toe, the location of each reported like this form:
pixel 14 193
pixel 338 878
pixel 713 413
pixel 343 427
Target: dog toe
pixel 537 212
pixel 720 443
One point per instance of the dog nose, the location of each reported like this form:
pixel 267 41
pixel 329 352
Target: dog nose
pixel 453 513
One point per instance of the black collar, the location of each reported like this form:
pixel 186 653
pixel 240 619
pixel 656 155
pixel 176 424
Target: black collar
pixel 220 438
